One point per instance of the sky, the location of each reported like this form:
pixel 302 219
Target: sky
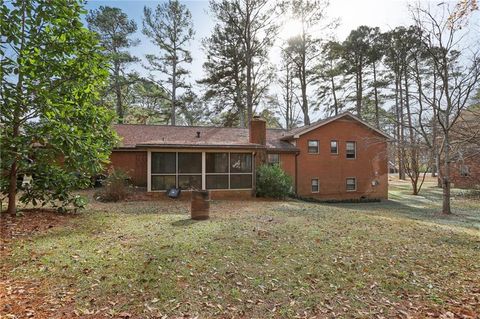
pixel 352 13
pixel 385 14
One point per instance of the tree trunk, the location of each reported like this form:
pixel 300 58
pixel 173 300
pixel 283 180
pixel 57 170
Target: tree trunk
pixel 335 102
pixel 118 93
pixel 375 91
pixel 306 117
pixel 249 62
pixel 12 189
pixel 173 119
pixel 358 105
pixel 436 158
pixel 401 168
pixel 446 176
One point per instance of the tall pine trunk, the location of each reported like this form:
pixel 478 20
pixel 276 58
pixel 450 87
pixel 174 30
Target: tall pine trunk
pixel 118 93
pixel 375 91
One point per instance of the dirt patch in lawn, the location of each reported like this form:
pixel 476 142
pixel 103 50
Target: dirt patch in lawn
pixel 29 298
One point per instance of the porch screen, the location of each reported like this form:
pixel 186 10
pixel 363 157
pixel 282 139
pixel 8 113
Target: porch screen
pixel 176 169
pixel 229 170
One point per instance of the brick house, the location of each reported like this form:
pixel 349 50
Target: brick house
pixel 341 157
pixel 465 161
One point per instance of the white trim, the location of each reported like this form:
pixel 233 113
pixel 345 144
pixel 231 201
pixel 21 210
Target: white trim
pixel 334 118
pixel 318 185
pixel 149 171
pixel 354 148
pixel 308 147
pixel 351 190
pixel 203 174
pixel 204 170
pixel 336 143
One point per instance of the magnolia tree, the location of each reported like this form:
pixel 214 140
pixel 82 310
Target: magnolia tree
pixel 52 129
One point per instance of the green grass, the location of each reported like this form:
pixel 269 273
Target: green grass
pixel 349 260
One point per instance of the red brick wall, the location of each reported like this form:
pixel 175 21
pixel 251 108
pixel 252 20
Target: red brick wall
pixel 470 181
pixel 134 163
pixel 332 170
pixel 287 163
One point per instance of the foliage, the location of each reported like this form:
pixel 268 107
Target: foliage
pixel 52 69
pixel 170 27
pixel 116 187
pixel 273 182
pixel 303 50
pixel 243 35
pixel 114 30
pixel 147 103
pixel 225 73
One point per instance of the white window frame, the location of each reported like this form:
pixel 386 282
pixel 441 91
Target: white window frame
pixel 354 148
pixel 336 142
pixel 346 184
pixel 308 147
pixel 318 185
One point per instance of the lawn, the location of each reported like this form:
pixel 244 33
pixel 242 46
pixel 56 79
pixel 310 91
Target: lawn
pixel 264 259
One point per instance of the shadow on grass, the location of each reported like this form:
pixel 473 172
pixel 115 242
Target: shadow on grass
pixel 418 208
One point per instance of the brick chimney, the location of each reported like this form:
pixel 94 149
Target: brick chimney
pixel 258 131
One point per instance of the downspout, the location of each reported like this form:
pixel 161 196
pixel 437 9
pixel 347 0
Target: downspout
pixel 254 175
pixel 296 173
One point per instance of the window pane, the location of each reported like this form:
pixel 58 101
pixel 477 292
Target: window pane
pixel 350 146
pixel 217 162
pixel 313 146
pixel 217 181
pixel 240 181
pixel 160 182
pixel 163 163
pixel 190 162
pixel 333 147
pixel 351 184
pixel 273 158
pixel 240 163
pixel 190 181
pixel 314 185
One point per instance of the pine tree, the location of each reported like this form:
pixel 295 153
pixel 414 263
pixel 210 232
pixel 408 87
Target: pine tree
pixel 115 31
pixel 170 27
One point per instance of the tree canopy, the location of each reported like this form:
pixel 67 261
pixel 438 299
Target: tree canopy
pixel 52 128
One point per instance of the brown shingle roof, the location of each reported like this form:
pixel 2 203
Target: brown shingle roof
pixel 134 135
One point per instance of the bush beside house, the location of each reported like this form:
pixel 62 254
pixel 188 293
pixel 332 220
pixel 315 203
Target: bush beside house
pixel 273 182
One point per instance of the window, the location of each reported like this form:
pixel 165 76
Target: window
pixel 217 170
pixel 229 170
pixel 464 171
pixel 170 169
pixel 273 159
pixel 217 162
pixel 163 163
pixel 351 184
pixel 240 170
pixel 315 187
pixel 163 170
pixel 163 182
pixel 185 169
pixel 351 148
pixel 333 147
pixel 313 147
